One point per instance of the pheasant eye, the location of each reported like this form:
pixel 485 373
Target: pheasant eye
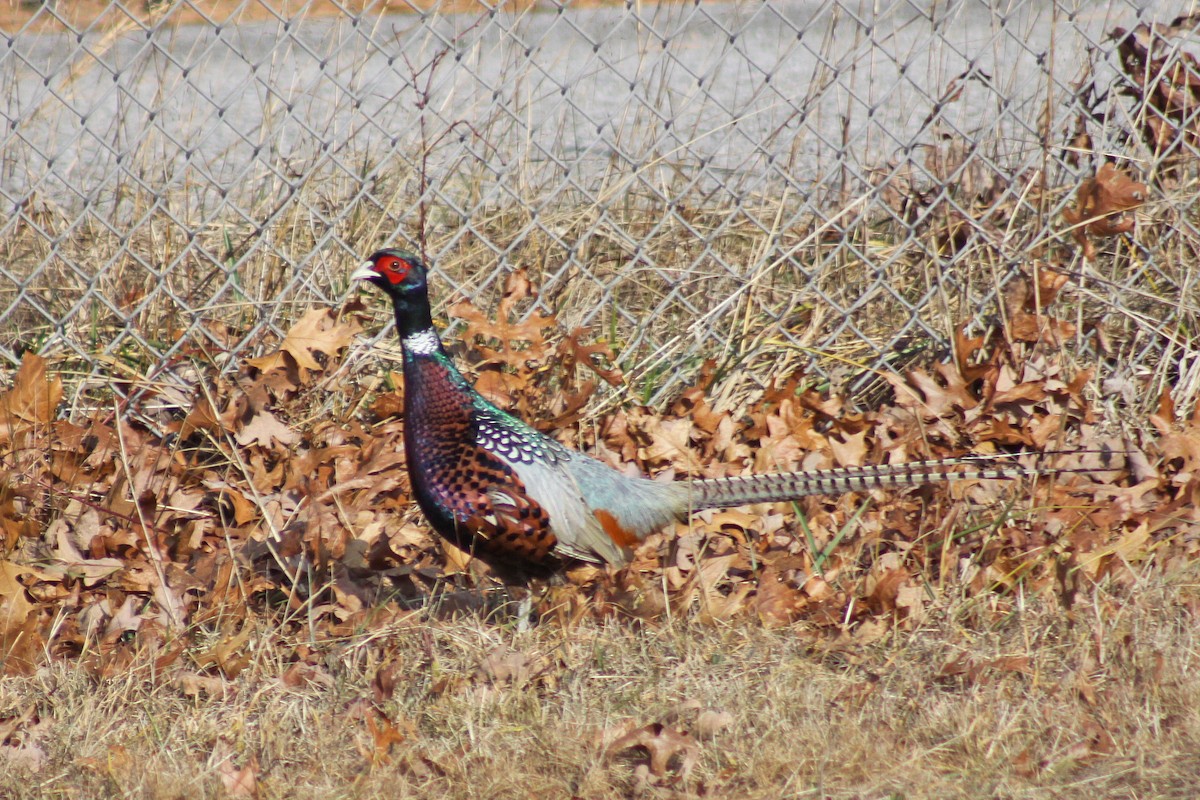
pixel 392 268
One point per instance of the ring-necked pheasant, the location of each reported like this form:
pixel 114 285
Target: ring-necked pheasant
pixel 516 498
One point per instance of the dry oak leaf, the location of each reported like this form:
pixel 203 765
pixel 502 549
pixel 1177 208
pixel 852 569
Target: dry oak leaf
pixel 504 666
pixel 1049 284
pixel 1101 203
pixel 1133 545
pixel 1034 328
pixel 517 287
pixel 19 737
pixel 71 561
pixel 195 684
pixel 28 757
pixel 237 782
pixel 14 606
pixel 508 334
pixel 670 442
pixel 243 509
pixel 384 734
pixel 204 416
pixel 663 743
pixel 935 397
pixel 34 396
pixel 850 449
pixel 777 601
pixel 975 672
pixel 321 330
pixel 262 428
pixel 301 676
pixel 572 351
pixel 710 722
pixel 884 596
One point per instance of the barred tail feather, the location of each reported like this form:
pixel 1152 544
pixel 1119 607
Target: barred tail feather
pixel 777 487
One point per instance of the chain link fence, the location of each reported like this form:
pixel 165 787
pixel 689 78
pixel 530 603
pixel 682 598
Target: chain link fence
pixel 828 186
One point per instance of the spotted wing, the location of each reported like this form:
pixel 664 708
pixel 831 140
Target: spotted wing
pixel 486 509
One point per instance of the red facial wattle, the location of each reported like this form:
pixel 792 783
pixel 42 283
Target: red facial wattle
pixel 392 269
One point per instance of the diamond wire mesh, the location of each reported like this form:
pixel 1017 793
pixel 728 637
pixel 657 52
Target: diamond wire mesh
pixel 777 185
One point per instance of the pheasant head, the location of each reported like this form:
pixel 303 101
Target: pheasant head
pixel 402 277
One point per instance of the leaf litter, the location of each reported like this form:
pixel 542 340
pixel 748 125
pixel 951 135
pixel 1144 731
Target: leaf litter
pixel 121 542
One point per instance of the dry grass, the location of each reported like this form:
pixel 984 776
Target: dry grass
pixel 990 699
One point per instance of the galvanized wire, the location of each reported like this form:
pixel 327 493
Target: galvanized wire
pixel 827 186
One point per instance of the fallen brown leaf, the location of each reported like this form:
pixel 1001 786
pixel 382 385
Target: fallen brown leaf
pixel 1102 204
pixel 237 781
pixel 34 396
pixel 664 745
pixel 319 331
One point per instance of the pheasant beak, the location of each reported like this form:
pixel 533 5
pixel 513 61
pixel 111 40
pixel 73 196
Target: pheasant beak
pixel 366 272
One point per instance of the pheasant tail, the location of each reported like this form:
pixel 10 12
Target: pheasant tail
pixel 778 487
